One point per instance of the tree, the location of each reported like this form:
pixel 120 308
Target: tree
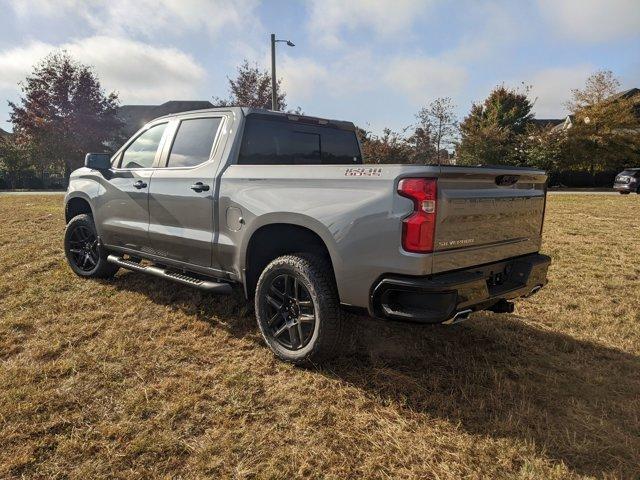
pixel 546 148
pixel 390 147
pixel 252 88
pixel 393 147
pixel 15 158
pixel 420 146
pixel 491 133
pixel 600 86
pixel 64 113
pixel 606 127
pixel 439 119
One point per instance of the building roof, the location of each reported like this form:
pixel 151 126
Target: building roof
pixel 135 116
pixel 632 92
pixel 547 122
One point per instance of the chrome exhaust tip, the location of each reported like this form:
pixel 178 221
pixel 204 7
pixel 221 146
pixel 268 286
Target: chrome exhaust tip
pixel 459 317
pixel 534 290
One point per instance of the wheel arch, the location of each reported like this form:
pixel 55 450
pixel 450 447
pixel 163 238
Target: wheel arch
pixel 76 205
pixel 274 239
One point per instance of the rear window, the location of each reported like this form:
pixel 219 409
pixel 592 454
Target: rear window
pixel 276 141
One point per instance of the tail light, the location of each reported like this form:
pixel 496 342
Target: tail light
pixel 418 229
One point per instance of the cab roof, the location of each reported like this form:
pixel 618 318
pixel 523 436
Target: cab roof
pixel 246 111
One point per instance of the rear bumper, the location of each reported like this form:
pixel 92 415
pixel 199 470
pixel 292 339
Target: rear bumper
pixel 438 298
pixel 624 187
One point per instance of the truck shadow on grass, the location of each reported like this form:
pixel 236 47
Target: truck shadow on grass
pixel 494 375
pixel 577 401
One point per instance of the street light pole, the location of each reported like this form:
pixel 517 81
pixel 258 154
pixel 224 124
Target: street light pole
pixel 274 92
pixel 274 84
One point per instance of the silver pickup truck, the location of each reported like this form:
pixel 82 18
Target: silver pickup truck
pixel 283 206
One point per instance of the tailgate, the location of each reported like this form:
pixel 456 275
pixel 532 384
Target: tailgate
pixel 487 214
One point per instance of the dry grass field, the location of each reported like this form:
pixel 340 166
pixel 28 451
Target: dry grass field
pixel 137 377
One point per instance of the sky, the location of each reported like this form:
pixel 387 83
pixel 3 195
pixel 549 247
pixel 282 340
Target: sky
pixel 374 62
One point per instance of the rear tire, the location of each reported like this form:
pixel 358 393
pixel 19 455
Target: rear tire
pixel 297 309
pixel 86 257
pixel 625 193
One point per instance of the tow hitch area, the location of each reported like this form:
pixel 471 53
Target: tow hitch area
pixel 503 306
pixel 445 298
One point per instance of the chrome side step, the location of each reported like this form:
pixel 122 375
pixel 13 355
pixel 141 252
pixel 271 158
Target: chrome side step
pixel 460 316
pixel 219 288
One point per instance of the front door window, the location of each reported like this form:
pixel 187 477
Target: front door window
pixel 142 152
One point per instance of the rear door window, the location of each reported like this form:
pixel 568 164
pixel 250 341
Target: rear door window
pixel 193 141
pixel 284 142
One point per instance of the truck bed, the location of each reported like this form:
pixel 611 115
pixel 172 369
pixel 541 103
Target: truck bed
pixel 358 214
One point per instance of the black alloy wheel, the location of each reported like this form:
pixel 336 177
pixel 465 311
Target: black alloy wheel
pixel 298 309
pixel 85 254
pixel 83 247
pixel 290 312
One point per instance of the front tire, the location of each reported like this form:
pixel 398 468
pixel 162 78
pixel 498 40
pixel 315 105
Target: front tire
pixel 297 309
pixel 86 257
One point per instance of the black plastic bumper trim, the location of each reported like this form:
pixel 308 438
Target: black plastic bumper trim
pixel 435 299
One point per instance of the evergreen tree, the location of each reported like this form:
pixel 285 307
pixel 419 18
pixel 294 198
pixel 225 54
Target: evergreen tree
pixel 252 88
pixel 491 133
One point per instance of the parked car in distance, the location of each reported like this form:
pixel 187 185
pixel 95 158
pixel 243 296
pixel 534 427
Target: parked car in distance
pixel 282 206
pixel 628 181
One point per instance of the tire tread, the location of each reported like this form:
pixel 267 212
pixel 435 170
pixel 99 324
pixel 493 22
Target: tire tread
pixel 104 269
pixel 330 326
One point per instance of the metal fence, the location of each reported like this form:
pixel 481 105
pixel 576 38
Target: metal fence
pixel 28 179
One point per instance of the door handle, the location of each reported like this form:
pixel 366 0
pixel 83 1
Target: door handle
pixel 140 184
pixel 199 187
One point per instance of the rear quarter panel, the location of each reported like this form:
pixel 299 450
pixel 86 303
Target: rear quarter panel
pixel 355 212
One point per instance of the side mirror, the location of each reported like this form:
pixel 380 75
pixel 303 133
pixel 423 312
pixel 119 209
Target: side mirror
pixel 98 161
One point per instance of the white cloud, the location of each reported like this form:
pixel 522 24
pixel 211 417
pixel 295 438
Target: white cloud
pixel 424 78
pixel 141 73
pixel 551 88
pixel 593 20
pixel 46 8
pixel 354 71
pixel 147 17
pixel 418 79
pixel 17 62
pixel 384 17
pixel 493 30
pixel 301 77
